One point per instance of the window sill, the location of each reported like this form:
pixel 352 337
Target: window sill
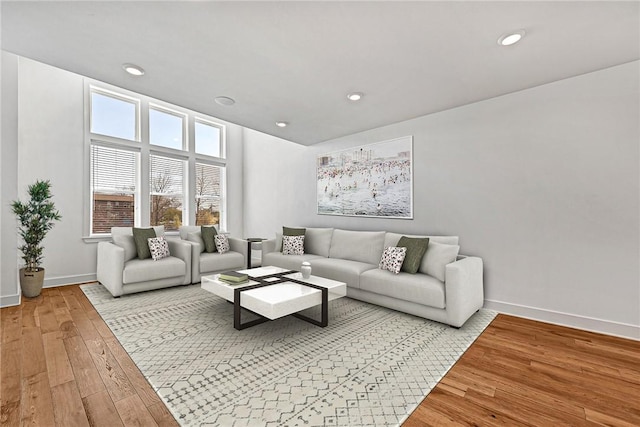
pixel 96 239
pixel 107 237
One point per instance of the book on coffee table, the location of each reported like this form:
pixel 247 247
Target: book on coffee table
pixel 233 276
pixel 231 282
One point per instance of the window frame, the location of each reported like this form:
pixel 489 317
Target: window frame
pixel 145 149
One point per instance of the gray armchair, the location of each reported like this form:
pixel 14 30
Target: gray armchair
pixel 121 272
pixel 204 263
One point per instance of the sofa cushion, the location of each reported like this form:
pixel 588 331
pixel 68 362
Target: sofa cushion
pixel 126 242
pixel 290 262
pixel 391 239
pixel 184 230
pixel 222 243
pixel 392 259
pixel 208 235
pixel 363 246
pixel 144 270
pixel 416 248
pixel 141 237
pixel 437 257
pixel 343 270
pixel 215 261
pixel 318 241
pixel 293 245
pixel 196 237
pixel 288 231
pixel 417 288
pixel 159 248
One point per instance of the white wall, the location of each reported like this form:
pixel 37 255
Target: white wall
pixel 49 132
pixel 9 288
pixel 543 184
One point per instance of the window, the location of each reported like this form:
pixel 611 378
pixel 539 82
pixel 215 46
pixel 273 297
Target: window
pixel 207 139
pixel 208 186
pixel 166 190
pixel 114 116
pixel 113 188
pixel 166 129
pixel 151 163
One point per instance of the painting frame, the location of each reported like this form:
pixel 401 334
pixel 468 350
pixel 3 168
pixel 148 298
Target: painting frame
pixel 367 181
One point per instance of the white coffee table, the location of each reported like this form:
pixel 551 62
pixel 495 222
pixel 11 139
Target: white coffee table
pixel 276 292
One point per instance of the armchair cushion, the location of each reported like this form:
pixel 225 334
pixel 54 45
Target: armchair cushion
pixel 140 237
pixel 216 261
pixel 436 259
pixel 196 237
pixel 126 242
pixel 145 270
pixel 222 243
pixel 416 248
pixel 159 248
pixel 208 235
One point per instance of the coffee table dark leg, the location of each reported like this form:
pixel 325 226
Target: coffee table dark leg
pixel 237 314
pixel 324 317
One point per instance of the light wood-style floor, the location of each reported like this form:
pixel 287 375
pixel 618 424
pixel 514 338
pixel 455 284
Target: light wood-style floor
pixel 62 366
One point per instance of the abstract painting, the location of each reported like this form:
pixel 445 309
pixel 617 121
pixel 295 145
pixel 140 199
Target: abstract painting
pixel 374 180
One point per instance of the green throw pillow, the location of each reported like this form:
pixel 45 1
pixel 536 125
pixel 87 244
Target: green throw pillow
pixel 140 237
pixel 289 231
pixel 208 237
pixel 416 248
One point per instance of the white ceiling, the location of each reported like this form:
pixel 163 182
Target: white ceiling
pixel 296 61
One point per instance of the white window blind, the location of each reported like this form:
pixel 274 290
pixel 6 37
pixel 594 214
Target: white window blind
pixel 113 188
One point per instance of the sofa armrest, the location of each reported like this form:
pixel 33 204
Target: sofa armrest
pixel 238 245
pixel 110 267
pixel 268 246
pixel 464 289
pixel 182 249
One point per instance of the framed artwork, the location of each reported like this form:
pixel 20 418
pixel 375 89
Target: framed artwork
pixel 374 180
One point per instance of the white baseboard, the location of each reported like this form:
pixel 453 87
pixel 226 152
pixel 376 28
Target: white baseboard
pixel 51 282
pixel 9 300
pixel 608 327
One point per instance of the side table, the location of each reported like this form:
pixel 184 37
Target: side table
pixel 250 241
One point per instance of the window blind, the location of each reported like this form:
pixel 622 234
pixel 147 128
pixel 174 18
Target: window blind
pixel 113 170
pixel 166 175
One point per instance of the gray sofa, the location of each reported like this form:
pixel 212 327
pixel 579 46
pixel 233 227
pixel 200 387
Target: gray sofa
pixel 121 272
pixel 203 263
pixel 448 287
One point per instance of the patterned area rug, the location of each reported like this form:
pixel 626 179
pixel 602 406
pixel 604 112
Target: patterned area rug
pixel 370 367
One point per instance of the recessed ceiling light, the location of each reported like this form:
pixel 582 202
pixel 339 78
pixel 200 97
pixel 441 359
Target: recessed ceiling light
pixel 511 38
pixel 355 96
pixel 133 69
pixel 224 100
pixel 282 124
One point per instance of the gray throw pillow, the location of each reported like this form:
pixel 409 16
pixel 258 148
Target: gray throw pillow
pixel 416 248
pixel 208 237
pixel 140 237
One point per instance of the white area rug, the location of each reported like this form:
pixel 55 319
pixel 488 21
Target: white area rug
pixel 370 367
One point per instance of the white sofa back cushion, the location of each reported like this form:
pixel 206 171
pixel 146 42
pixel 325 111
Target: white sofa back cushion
pixel 363 246
pixel 126 242
pixel 123 237
pixel 196 237
pixel 317 241
pixel 391 239
pixel 186 229
pixel 436 258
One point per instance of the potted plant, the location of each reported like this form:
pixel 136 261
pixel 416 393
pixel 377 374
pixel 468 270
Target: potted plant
pixel 36 218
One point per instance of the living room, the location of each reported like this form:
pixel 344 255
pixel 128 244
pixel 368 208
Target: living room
pixel 541 182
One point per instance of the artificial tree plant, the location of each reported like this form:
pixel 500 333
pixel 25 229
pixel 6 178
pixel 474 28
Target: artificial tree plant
pixel 36 218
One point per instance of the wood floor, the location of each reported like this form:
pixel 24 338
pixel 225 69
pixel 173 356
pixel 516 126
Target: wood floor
pixel 62 366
